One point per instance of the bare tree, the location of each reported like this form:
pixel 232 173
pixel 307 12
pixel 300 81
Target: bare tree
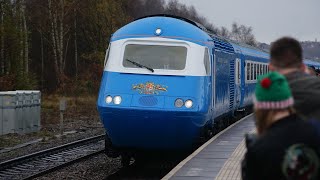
pixel 243 34
pixel 2 61
pixel 224 32
pixel 58 31
pixel 75 43
pixel 153 7
pixel 25 38
pixel 173 7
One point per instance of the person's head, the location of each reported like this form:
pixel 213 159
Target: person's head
pixel 286 53
pixel 272 98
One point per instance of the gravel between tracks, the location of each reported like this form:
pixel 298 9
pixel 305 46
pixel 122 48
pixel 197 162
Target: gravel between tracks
pixel 97 167
pixel 81 128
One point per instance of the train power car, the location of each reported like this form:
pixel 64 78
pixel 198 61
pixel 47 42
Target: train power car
pixel 167 81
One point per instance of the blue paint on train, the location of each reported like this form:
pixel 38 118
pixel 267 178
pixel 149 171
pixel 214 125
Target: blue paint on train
pixel 148 116
pixel 152 120
pixel 170 28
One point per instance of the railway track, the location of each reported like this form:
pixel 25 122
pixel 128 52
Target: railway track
pixel 46 161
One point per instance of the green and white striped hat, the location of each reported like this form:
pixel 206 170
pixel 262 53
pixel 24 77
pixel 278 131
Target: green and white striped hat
pixel 272 92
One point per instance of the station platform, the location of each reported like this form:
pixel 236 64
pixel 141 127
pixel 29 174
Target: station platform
pixel 219 158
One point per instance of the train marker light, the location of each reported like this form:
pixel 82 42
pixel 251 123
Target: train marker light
pixel 188 103
pixel 108 99
pixel 117 100
pixel 178 103
pixel 158 32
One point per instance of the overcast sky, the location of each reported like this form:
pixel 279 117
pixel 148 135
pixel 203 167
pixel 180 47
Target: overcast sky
pixel 270 19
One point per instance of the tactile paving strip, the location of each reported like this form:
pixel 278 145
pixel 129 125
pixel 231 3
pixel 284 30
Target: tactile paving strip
pixel 231 170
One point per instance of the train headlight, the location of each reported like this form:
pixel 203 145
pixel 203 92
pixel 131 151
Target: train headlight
pixel 178 103
pixel 108 99
pixel 117 100
pixel 188 103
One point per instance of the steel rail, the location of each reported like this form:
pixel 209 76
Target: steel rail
pixel 49 160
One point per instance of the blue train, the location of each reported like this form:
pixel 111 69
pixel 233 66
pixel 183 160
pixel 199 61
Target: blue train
pixel 167 81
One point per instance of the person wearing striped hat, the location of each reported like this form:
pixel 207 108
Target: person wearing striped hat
pixel 286 147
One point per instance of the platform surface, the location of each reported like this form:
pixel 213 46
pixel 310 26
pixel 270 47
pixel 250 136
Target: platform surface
pixel 219 158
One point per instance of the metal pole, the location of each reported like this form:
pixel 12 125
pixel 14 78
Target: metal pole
pixel 61 123
pixel 62 109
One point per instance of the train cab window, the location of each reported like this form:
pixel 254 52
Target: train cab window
pixel 107 56
pixel 155 56
pixel 207 61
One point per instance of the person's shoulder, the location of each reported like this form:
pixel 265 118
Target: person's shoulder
pixel 263 145
pixel 303 80
pixel 283 133
pixel 314 126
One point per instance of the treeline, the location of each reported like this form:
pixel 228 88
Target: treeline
pixel 311 50
pixel 59 45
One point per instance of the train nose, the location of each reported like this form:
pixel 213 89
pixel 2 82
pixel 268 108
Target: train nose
pixel 152 129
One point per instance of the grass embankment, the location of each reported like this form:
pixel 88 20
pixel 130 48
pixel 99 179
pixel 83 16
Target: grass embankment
pixel 77 107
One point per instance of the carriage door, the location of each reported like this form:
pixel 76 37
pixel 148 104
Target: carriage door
pixel 237 82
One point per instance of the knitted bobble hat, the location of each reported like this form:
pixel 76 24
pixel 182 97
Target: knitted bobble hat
pixel 272 92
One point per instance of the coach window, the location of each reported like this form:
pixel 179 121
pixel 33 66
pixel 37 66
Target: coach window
pixel 238 71
pixel 207 61
pixel 265 69
pixel 251 71
pixel 248 71
pixel 258 69
pixel 261 69
pixel 255 72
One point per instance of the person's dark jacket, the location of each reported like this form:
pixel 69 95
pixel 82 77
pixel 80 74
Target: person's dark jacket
pixel 306 93
pixel 264 157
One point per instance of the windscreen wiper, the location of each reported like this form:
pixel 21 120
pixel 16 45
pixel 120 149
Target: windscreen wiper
pixel 140 65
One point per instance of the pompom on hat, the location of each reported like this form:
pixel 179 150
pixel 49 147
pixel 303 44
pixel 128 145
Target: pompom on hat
pixel 272 92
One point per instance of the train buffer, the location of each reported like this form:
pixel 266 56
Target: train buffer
pixel 219 158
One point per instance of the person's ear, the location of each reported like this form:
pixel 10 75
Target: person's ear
pixel 271 67
pixel 304 68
